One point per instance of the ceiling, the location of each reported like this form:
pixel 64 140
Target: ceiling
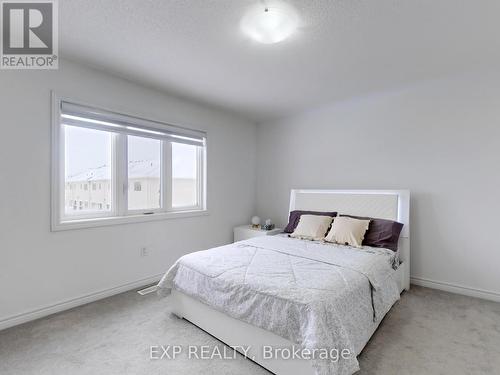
pixel 195 49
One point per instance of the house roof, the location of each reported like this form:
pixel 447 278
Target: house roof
pixel 136 169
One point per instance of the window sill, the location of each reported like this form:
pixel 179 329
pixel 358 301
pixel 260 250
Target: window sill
pixel 117 220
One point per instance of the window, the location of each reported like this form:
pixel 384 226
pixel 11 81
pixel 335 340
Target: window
pixel 185 166
pixel 110 168
pixel 144 173
pixel 87 157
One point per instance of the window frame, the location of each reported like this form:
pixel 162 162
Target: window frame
pixel 119 212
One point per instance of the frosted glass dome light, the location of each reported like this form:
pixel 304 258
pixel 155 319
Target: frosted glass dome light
pixel 270 24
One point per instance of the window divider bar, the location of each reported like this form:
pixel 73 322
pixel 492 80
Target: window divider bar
pixel 167 175
pixel 61 152
pixel 199 177
pixel 120 156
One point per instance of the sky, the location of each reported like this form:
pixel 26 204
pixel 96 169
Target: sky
pixel 88 148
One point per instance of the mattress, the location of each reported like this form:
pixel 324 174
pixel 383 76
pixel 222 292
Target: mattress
pixel 319 296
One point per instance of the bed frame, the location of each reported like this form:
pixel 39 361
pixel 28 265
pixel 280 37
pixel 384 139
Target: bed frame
pixel 382 204
pixel 385 204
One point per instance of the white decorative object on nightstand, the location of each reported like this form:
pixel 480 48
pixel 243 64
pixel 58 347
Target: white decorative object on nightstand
pixel 244 232
pixel 255 221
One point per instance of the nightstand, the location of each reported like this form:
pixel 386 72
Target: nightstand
pixel 244 232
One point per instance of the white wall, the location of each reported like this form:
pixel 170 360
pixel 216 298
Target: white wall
pixel 39 268
pixel 440 139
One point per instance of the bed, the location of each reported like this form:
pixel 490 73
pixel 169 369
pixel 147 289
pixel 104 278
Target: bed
pixel 295 306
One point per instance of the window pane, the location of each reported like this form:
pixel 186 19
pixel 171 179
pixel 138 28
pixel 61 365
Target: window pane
pixel 87 167
pixel 184 175
pixel 144 160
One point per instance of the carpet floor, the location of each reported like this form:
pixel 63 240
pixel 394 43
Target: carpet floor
pixel 426 332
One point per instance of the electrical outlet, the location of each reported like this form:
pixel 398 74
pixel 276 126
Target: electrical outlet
pixel 144 251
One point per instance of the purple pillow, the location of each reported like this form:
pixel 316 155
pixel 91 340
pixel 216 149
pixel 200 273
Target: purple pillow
pixel 294 218
pixel 381 232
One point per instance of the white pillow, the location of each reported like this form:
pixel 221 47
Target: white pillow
pixel 348 231
pixel 312 227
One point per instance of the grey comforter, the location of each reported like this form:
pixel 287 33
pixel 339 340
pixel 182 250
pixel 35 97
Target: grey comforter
pixel 317 295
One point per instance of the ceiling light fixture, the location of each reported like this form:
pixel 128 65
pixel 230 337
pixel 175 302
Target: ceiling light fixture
pixel 271 23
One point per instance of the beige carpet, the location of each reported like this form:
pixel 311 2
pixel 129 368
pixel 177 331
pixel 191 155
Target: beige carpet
pixel 427 332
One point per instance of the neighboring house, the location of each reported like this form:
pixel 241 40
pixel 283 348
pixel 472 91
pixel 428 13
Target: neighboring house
pixel 144 184
pixel 91 190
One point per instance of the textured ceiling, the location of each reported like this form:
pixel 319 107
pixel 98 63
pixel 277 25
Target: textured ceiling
pixel 194 48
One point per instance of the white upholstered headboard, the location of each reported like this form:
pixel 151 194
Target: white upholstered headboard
pixel 383 204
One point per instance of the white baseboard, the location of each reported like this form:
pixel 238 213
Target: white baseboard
pixel 52 309
pixel 65 305
pixel 457 289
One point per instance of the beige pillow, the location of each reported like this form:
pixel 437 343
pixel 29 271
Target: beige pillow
pixel 312 227
pixel 348 231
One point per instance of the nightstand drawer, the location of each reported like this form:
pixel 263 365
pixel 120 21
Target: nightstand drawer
pixel 244 232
